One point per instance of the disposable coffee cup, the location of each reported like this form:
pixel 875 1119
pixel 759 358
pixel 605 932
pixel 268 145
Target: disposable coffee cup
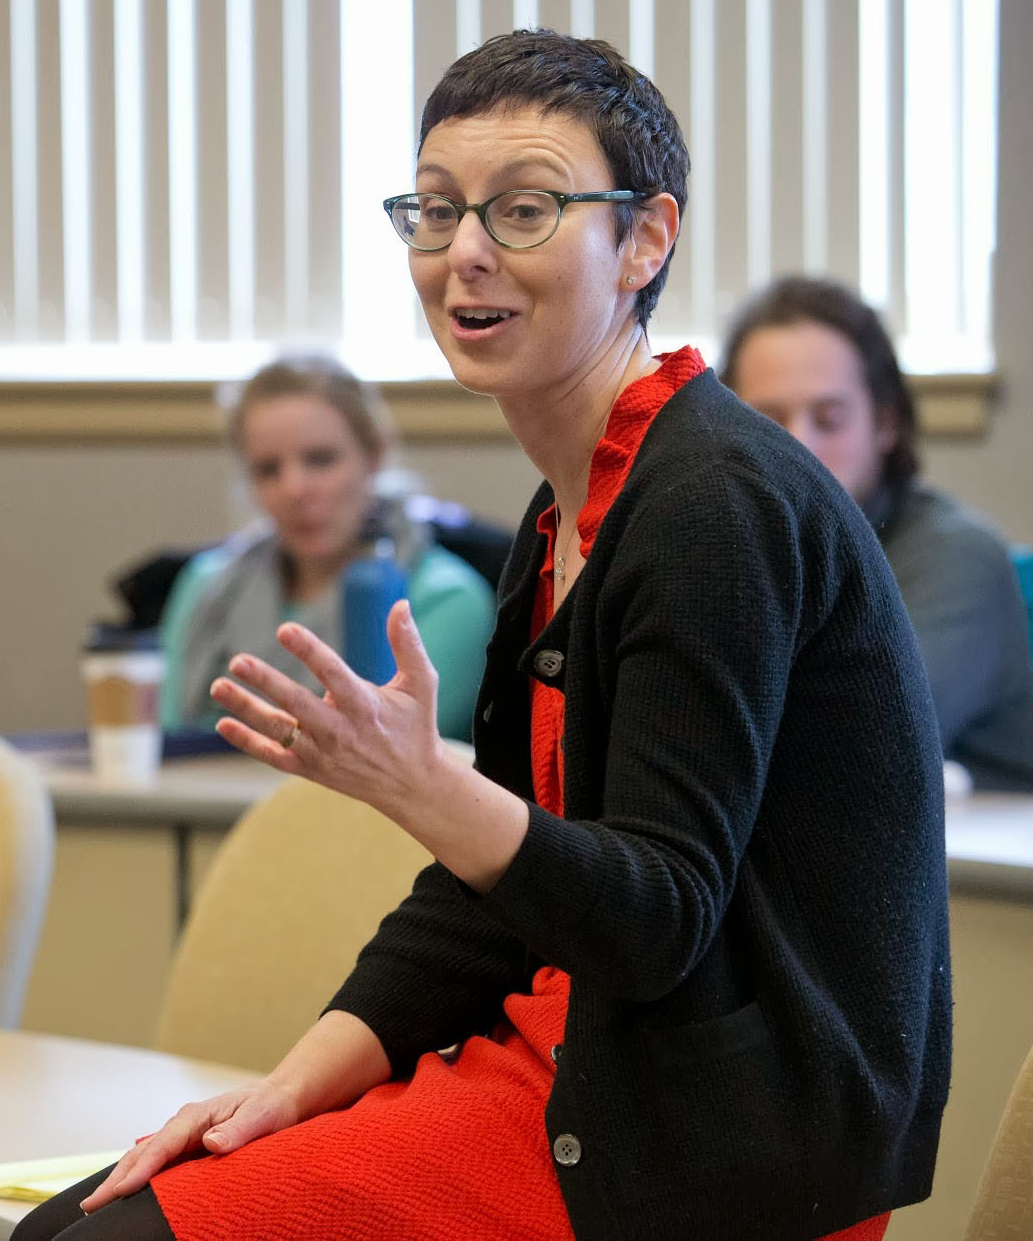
pixel 122 670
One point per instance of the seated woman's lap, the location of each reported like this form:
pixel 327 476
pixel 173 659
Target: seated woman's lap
pixel 458 1151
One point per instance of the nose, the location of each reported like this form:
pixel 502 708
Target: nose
pixel 472 252
pixel 293 481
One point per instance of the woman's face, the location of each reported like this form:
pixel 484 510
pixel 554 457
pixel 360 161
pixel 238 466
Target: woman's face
pixel 563 302
pixel 309 473
pixel 810 379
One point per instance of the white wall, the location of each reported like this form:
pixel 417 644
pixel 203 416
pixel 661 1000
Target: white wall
pixel 996 473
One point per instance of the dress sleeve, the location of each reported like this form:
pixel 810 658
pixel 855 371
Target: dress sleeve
pixel 454 610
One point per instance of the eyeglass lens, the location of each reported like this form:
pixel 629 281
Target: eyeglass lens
pixel 517 218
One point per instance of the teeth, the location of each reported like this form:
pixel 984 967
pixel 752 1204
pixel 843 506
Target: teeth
pixel 479 312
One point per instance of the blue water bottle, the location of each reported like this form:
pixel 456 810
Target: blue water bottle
pixel 370 586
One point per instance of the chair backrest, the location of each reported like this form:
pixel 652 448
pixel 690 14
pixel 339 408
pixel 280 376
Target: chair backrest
pixel 295 890
pixel 26 862
pixel 1004 1200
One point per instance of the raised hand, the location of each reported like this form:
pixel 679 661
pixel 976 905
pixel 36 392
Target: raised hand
pixel 377 743
pixel 371 742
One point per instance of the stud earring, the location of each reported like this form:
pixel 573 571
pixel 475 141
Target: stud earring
pixel 631 279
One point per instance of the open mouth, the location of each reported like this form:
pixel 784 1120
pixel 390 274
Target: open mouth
pixel 476 319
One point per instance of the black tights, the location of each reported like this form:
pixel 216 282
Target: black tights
pixel 136 1218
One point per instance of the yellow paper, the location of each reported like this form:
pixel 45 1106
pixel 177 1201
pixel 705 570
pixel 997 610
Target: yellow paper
pixel 36 1180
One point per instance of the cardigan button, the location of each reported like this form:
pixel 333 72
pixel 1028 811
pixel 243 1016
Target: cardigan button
pixel 486 713
pixel 555 1051
pixel 548 663
pixel 566 1150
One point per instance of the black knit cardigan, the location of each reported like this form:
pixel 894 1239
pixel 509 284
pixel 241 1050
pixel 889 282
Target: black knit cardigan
pixel 749 887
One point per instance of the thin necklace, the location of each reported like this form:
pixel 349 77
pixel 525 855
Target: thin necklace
pixel 560 566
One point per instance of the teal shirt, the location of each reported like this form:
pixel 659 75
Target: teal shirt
pixel 453 606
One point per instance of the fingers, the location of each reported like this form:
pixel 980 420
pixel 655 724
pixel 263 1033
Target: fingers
pixel 321 660
pixel 253 1119
pixel 137 1166
pixel 271 712
pixel 282 699
pixel 221 1125
pixel 278 725
pixel 105 1191
pixel 288 701
pixel 272 753
pixel 417 675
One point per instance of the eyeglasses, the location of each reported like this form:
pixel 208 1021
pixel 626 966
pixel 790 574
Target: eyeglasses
pixel 516 219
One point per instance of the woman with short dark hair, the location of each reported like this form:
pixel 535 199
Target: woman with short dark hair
pixel 692 972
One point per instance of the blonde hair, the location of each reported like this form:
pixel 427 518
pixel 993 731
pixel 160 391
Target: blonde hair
pixel 320 375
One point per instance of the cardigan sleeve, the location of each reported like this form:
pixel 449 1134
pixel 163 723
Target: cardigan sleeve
pixel 436 972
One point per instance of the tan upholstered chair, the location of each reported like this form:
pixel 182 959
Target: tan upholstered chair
pixel 295 890
pixel 1004 1201
pixel 26 860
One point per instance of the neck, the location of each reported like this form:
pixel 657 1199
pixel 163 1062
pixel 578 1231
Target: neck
pixel 559 430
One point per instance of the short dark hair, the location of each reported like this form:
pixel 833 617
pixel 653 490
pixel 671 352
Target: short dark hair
pixel 320 375
pixel 795 299
pixel 589 80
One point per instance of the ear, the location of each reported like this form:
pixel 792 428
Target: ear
pixel 652 236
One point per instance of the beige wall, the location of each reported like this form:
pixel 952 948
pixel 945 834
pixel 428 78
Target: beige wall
pixel 996 471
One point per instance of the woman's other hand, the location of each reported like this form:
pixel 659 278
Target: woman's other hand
pixel 330 1066
pixel 219 1125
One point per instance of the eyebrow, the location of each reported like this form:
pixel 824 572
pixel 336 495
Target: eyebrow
pixel 503 172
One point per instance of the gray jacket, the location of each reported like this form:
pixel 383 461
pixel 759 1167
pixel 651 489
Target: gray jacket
pixel 963 597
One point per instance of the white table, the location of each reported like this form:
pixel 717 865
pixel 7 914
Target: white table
pixel 212 790
pixel 990 844
pixel 62 1096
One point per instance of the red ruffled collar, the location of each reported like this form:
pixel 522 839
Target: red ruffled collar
pixel 629 420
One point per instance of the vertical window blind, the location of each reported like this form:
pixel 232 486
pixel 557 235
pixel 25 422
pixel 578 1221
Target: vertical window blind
pixel 187 184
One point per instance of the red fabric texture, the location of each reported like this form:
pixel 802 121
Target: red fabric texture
pixel 459 1150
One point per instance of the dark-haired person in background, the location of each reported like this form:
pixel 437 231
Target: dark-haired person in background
pixel 813 357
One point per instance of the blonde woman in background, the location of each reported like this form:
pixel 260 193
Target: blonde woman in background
pixel 312 440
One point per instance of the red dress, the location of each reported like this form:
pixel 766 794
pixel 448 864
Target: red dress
pixel 459 1150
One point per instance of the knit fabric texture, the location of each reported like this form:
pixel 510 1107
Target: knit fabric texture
pixel 458 1152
